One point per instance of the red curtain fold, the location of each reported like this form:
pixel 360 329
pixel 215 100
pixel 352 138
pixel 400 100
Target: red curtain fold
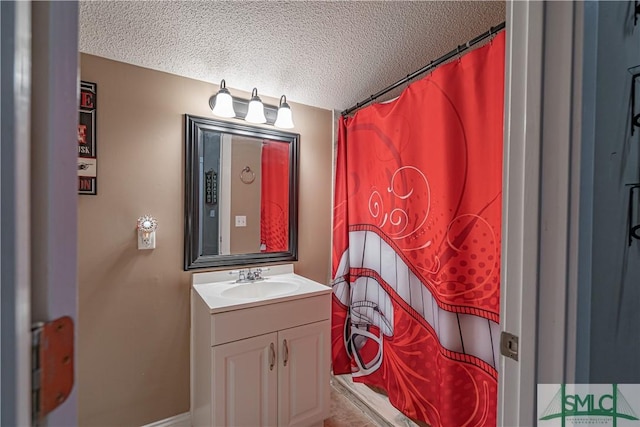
pixel 416 253
pixel 274 202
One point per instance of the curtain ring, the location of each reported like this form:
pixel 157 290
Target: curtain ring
pixel 247 176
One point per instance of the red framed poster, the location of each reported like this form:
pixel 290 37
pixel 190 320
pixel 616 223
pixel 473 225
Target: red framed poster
pixel 87 161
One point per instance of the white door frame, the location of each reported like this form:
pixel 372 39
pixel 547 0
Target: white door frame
pixel 54 176
pixel 520 210
pixel 15 323
pixel 224 215
pixel 38 185
pixel 539 289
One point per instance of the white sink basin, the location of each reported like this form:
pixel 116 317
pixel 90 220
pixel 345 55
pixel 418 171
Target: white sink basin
pixel 222 295
pixel 262 289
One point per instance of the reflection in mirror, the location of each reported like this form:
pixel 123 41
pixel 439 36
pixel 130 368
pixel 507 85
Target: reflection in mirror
pixel 240 201
pixel 258 184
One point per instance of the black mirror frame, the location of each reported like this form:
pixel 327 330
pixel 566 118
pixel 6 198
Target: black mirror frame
pixel 192 260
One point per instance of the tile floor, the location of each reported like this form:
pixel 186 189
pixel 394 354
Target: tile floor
pixel 345 414
pixel 373 403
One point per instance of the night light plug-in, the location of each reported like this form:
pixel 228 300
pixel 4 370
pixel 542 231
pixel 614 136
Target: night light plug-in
pixel 147 226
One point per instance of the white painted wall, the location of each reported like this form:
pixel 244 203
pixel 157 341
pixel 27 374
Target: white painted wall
pixel 542 196
pixel 559 191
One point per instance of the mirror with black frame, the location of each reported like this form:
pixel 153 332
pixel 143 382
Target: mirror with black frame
pixel 240 194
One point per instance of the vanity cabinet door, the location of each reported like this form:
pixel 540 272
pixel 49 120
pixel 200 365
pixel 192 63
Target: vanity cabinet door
pixel 245 384
pixel 303 379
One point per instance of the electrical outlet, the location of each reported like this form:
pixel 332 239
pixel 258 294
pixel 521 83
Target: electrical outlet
pixel 241 221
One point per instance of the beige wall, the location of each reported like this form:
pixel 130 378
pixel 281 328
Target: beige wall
pixel 133 327
pixel 245 198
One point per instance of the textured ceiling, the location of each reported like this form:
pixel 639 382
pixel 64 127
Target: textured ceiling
pixel 325 54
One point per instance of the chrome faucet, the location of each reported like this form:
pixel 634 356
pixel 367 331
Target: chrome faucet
pixel 242 275
pixel 249 275
pixel 255 275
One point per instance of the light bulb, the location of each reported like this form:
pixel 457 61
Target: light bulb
pixel 224 103
pixel 255 111
pixel 284 119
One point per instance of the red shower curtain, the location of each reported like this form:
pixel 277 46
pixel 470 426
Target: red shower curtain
pixel 274 201
pixel 416 253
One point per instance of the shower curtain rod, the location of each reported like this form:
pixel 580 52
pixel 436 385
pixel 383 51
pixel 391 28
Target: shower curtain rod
pixel 431 65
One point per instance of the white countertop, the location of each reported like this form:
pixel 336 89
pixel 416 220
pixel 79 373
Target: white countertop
pixel 211 292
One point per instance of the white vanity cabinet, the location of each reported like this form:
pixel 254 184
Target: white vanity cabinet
pixel 303 375
pixel 273 379
pixel 245 382
pixel 266 364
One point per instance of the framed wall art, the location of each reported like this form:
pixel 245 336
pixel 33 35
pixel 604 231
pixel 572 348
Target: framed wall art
pixel 87 159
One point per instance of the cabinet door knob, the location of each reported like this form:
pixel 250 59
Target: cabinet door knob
pixel 286 352
pixel 272 356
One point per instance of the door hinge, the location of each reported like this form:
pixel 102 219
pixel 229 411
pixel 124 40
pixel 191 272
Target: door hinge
pixel 51 366
pixel 509 345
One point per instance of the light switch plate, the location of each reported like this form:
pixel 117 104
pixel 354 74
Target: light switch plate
pixel 241 221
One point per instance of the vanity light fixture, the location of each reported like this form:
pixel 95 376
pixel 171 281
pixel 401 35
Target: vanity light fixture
pixel 223 102
pixel 255 111
pixel 284 119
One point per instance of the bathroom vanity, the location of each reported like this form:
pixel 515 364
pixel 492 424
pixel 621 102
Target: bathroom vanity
pixel 260 350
